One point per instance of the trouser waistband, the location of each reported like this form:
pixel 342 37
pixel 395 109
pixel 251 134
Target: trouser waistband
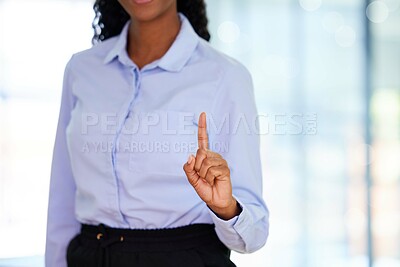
pixel 134 240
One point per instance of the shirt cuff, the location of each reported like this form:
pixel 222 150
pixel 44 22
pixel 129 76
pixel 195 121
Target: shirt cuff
pixel 236 225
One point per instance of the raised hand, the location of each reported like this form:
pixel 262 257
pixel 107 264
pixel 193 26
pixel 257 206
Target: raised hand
pixel 209 175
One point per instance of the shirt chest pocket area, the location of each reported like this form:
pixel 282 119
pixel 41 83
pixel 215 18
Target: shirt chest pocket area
pixel 162 141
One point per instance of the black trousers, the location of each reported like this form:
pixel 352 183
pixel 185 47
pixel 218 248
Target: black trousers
pixel 189 246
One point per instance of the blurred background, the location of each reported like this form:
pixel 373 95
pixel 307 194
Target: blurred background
pixel 327 83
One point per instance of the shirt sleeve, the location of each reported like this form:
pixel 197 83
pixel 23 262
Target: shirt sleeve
pixel 61 222
pixel 234 129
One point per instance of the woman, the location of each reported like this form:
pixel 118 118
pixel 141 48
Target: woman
pixel 133 108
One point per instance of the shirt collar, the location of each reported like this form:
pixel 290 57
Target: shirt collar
pixel 176 57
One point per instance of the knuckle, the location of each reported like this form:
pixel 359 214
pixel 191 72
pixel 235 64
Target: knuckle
pixel 207 162
pixel 212 171
pixel 216 155
pixel 184 167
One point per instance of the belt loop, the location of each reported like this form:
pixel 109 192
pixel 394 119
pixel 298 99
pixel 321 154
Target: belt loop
pixel 105 242
pixel 102 253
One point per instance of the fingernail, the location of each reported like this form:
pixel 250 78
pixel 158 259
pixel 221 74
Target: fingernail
pixel 190 159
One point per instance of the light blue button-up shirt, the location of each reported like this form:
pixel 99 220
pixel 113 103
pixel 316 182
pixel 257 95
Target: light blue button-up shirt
pixel 125 133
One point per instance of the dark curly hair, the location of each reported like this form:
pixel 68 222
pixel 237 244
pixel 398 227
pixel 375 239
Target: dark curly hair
pixel 110 18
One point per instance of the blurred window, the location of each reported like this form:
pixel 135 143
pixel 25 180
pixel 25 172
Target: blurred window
pixel 307 59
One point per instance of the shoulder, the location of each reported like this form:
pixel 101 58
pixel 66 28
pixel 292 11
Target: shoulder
pixel 235 88
pixel 229 67
pixel 235 82
pixel 94 55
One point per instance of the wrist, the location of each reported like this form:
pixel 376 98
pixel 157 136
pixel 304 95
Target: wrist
pixel 228 212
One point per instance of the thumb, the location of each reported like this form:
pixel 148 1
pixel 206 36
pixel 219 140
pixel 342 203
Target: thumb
pixel 191 173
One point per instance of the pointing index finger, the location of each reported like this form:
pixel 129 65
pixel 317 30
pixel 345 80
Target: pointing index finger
pixel 202 132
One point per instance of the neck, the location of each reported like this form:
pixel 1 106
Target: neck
pixel 150 40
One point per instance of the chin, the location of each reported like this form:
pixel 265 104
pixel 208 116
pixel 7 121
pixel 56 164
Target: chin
pixel 147 10
pixel 144 15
